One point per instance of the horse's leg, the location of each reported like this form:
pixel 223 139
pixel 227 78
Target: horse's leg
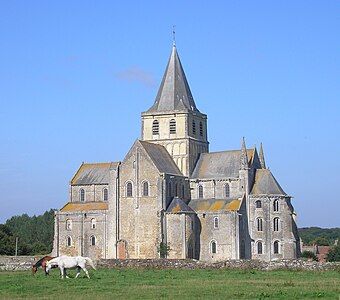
pixel 62 272
pixel 65 273
pixel 87 273
pixel 78 271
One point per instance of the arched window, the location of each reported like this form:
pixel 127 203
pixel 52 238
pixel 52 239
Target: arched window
pixel 193 127
pixel 276 223
pixel 145 189
pixel 276 247
pixel 68 224
pixel 82 195
pixel 276 205
pixel 259 224
pixel 216 222
pixel 213 247
pixel 201 129
pixel 200 191
pixel 155 127
pixel 259 248
pixel 172 126
pixel 93 223
pixel 258 204
pixel 93 240
pixel 227 190
pixel 176 189
pixel 129 189
pixel 105 194
pixel 69 241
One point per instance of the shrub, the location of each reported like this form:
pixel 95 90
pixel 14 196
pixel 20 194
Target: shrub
pixel 334 254
pixel 163 250
pixel 309 255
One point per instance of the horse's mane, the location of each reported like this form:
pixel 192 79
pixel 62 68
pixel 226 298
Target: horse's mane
pixel 40 261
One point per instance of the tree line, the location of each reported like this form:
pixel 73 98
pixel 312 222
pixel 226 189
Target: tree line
pixel 35 234
pixel 319 236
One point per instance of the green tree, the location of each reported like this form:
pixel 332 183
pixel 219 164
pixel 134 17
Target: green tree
pixel 334 254
pixel 7 241
pixel 321 241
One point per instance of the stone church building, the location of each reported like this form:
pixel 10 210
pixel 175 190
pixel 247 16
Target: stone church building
pixel 170 196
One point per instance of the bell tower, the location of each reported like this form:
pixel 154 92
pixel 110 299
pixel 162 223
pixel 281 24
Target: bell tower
pixel 174 120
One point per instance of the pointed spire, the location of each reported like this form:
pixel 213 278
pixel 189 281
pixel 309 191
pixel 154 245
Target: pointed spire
pixel 244 156
pixel 174 92
pixel 261 157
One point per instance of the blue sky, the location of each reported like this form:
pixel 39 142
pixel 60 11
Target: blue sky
pixel 75 75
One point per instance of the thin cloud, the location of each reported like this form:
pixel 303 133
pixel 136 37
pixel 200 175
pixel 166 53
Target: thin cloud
pixel 136 74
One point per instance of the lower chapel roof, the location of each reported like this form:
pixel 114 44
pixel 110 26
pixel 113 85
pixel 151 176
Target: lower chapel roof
pixel 86 206
pixel 215 205
pixel 220 164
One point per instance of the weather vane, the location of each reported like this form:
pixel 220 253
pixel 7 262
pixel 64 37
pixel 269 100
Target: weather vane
pixel 174 35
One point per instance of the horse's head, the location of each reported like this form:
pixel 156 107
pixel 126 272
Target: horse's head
pixel 34 269
pixel 47 268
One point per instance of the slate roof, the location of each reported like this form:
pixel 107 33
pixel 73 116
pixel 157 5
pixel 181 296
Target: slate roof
pixel 93 173
pixel 174 92
pixel 214 205
pixel 161 158
pixel 220 164
pixel 177 205
pixel 266 184
pixel 85 206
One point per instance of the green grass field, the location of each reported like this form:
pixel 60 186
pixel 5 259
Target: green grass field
pixel 146 284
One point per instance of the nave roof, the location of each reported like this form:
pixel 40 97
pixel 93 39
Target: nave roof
pixel 220 164
pixel 93 173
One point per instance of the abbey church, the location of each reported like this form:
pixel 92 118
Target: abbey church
pixel 171 197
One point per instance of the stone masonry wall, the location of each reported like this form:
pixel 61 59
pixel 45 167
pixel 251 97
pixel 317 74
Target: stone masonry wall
pixel 230 264
pixel 17 263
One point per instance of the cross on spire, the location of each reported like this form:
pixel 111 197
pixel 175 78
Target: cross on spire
pixel 174 35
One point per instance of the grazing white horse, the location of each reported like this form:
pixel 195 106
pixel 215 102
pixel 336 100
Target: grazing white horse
pixel 70 262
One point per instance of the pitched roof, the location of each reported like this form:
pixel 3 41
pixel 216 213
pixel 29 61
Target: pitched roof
pixel 220 164
pixel 174 92
pixel 93 173
pixel 161 158
pixel 214 205
pixel 177 205
pixel 266 184
pixel 84 206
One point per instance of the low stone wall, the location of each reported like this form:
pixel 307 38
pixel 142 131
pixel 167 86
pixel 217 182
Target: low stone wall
pixel 231 264
pixel 22 263
pixel 17 263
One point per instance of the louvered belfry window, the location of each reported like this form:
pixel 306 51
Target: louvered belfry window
pixel 193 127
pixel 172 126
pixel 201 129
pixel 155 127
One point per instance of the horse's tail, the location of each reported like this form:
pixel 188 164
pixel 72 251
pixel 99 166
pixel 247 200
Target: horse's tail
pixel 90 262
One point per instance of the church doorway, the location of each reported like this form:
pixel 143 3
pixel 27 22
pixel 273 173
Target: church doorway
pixel 121 249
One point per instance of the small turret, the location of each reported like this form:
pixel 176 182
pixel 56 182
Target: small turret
pixel 261 157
